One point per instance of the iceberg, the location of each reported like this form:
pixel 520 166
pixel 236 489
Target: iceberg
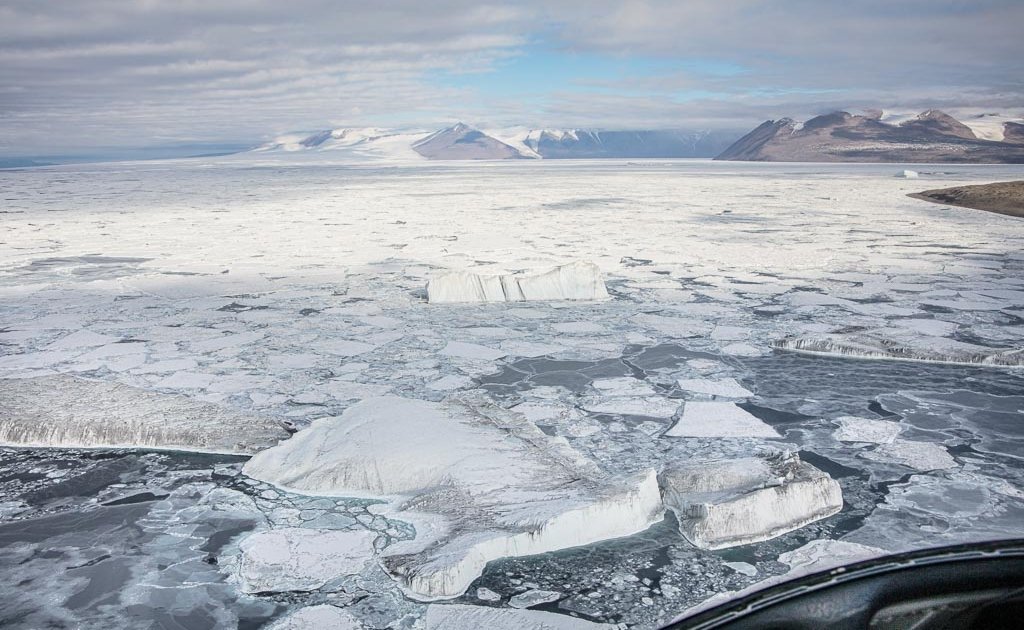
pixel 727 503
pixel 73 412
pixel 574 281
pixel 479 482
pixel 297 559
pixel 897 345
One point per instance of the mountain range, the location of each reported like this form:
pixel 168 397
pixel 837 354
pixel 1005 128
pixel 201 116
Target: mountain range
pixel 463 142
pixel 931 136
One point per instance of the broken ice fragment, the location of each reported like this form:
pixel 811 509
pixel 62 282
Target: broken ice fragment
pixel 853 429
pixel 735 502
pixel 534 598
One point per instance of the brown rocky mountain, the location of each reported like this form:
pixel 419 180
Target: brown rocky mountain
pixel 933 136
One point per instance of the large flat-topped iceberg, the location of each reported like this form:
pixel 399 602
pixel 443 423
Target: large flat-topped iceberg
pixel 575 281
pixel 67 411
pixel 735 502
pixel 485 483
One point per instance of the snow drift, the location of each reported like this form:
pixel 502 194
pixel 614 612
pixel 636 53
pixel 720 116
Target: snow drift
pixel 575 281
pixel 735 502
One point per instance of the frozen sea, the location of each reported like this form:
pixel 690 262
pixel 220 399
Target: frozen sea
pixel 879 336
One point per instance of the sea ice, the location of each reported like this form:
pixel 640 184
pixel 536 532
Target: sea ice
pixel 320 617
pixel 465 350
pixel 916 455
pixel 500 486
pixel 718 419
pixel 724 388
pixel 735 502
pixel 68 411
pixel 297 559
pixel 853 429
pixel 575 281
pixel 465 617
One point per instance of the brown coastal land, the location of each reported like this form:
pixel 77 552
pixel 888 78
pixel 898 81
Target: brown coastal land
pixel 1001 197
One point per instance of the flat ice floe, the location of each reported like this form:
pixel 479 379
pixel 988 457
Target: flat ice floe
pixel 69 411
pixel 321 617
pixel 463 617
pixel 575 281
pixel 735 502
pixel 495 485
pixel 719 419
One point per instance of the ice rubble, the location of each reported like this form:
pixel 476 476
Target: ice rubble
pixel 898 345
pixel 480 483
pixel 63 410
pixel 574 281
pixel 718 419
pixel 464 617
pixel 734 502
pixel 298 559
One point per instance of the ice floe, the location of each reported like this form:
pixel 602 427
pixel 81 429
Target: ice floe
pixel 734 502
pixel 298 559
pixel 69 411
pixel 497 485
pixel 464 617
pixel 320 617
pixel 853 429
pixel 574 281
pixel 916 455
pixel 719 419
pixel 534 597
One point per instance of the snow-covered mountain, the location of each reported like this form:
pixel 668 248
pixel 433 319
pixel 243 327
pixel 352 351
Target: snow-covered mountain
pixel 464 142
pixel 931 136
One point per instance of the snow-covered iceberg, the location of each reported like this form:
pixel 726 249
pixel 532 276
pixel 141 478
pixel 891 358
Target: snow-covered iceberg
pixel 735 502
pixel 63 410
pixel 899 345
pixel 479 482
pixel 574 281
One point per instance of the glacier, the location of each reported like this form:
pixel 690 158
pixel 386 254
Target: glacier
pixel 727 503
pixel 574 281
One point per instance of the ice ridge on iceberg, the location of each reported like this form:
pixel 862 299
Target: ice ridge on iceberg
pixel 574 281
pixel 727 503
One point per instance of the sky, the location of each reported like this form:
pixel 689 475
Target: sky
pixel 123 77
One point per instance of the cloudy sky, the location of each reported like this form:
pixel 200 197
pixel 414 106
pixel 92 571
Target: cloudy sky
pixel 106 76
